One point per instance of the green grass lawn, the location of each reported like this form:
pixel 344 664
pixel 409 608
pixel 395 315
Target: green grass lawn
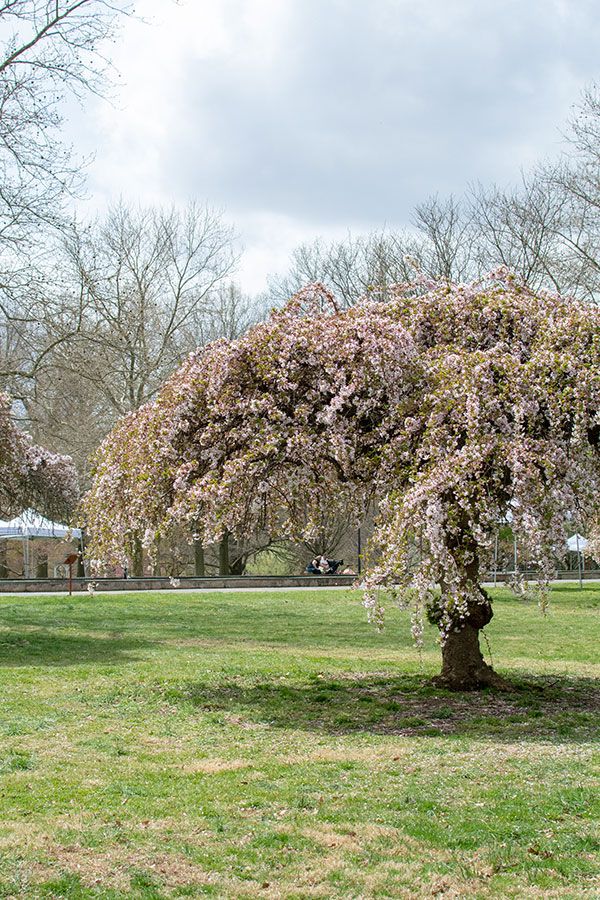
pixel 274 745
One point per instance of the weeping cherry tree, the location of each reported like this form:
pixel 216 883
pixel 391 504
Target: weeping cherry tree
pixel 450 405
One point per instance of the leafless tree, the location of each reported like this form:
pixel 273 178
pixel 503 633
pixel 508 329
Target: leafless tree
pixel 48 49
pixel 137 291
pixel 441 244
pixel 227 312
pixel 51 48
pixel 547 228
pixel 575 179
pixel 447 246
pixel 352 268
pixel 518 228
pixel 140 276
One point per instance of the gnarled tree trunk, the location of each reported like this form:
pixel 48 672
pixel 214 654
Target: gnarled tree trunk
pixel 463 665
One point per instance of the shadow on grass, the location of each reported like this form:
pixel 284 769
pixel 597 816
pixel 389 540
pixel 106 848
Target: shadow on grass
pixel 538 709
pixel 53 648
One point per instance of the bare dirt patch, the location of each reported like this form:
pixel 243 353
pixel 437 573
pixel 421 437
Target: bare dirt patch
pixel 114 868
pixel 214 766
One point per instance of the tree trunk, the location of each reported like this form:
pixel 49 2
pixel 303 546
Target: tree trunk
pixel 80 559
pixel 224 555
pixel 155 557
pixel 463 665
pixel 137 559
pixel 238 566
pixel 199 568
pixel 3 563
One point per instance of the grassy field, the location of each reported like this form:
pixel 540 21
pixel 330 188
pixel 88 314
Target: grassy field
pixel 274 745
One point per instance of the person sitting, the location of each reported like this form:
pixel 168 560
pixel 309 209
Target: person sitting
pixel 323 565
pixel 320 565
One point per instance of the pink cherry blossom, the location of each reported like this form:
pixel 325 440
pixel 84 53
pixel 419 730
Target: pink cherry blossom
pixel 447 406
pixel 31 476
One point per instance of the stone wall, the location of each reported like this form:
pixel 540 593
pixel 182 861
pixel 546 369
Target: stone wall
pixel 80 585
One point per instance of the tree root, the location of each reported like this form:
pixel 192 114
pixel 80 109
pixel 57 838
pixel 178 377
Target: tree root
pixel 475 679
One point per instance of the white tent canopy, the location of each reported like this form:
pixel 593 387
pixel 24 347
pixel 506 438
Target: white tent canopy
pixel 577 543
pixel 31 524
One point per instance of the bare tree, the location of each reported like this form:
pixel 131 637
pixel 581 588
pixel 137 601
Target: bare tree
pixel 352 268
pixel 547 228
pixel 227 312
pixel 575 179
pixel 447 248
pixel 139 278
pixel 518 229
pixel 137 291
pixel 51 48
pixel 442 244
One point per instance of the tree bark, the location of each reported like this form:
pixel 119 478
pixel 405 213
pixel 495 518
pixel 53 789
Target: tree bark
pixel 199 568
pixel 224 555
pixel 463 665
pixel 238 566
pixel 137 559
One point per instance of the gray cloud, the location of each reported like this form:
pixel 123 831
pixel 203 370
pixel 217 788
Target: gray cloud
pixel 359 110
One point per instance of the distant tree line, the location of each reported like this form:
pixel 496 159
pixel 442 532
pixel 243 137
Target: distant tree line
pixel 546 229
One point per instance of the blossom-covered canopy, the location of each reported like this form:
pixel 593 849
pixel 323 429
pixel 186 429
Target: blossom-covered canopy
pixel 449 405
pixel 31 476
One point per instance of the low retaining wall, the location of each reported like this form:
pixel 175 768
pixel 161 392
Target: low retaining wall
pixel 60 585
pixel 80 585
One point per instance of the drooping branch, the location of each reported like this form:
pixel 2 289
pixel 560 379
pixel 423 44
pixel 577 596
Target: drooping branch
pixel 450 407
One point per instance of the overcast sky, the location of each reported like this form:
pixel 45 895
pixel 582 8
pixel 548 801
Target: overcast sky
pixel 315 117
